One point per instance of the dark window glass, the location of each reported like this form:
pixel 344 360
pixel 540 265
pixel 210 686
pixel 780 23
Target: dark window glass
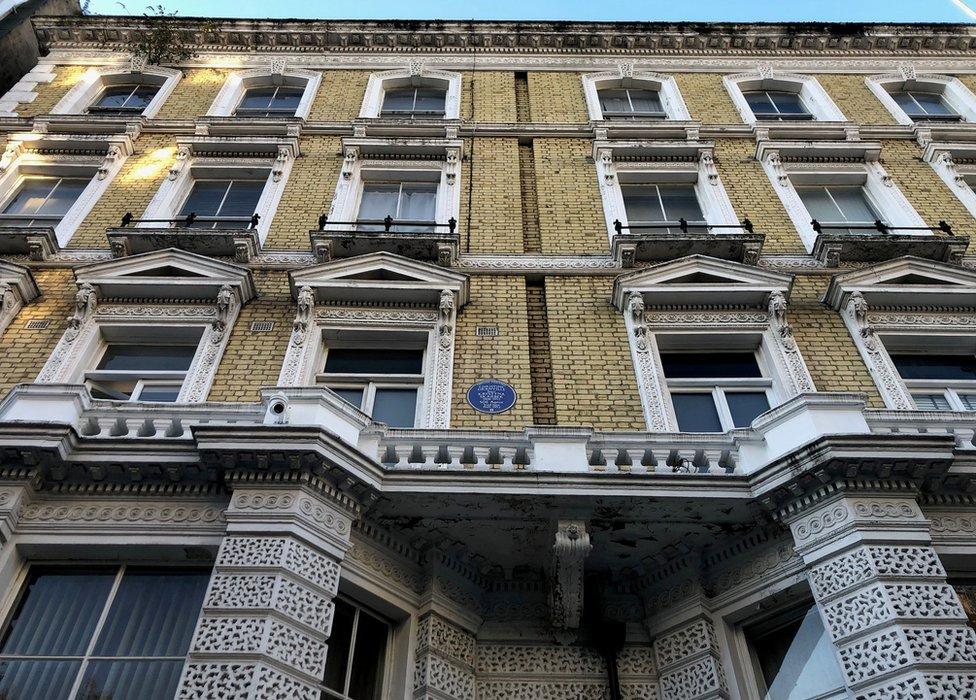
pixel 270 101
pixel 630 102
pixel 419 101
pixel 935 366
pixel 923 105
pixel 234 200
pixel 156 358
pixel 695 365
pixel 402 201
pixel 395 407
pixel 374 361
pixel 42 201
pixel 369 656
pixel 337 660
pixel 652 204
pixel 696 413
pixel 121 99
pixel 776 104
pixel 355 664
pixel 166 394
pixel 353 396
pixel 745 406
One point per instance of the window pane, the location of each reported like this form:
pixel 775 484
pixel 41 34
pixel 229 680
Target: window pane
pixel 680 202
pixel 286 100
pixel 374 361
pixel 931 402
pixel 797 659
pixel 242 199
pixel 205 197
pixel 141 98
pixel 398 100
pixel 968 401
pixel 707 365
pixel 614 101
pixel 853 203
pixel 114 96
pixel 745 406
pixel 642 204
pixel 396 407
pixel 51 680
pixel 696 413
pixel 337 659
pixel 788 102
pixel 366 681
pixel 154 679
pixel 932 104
pixel 31 195
pixel 353 396
pixel 759 102
pixel 155 392
pixel 936 366
pixel 57 614
pixel 645 101
pixel 257 98
pixel 819 205
pixel 378 202
pixel 63 196
pixel 156 358
pixel 431 101
pixel 418 203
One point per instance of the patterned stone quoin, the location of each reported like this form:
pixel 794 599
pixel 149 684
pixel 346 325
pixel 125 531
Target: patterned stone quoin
pixel 688 662
pixel 899 628
pixel 444 669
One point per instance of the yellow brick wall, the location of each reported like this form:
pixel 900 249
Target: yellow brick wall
pixel 308 193
pixel 495 301
pixel 923 187
pixel 133 187
pixel 593 374
pixel 496 210
pixel 854 99
pixel 49 94
pixel 556 98
pixel 825 342
pixel 570 209
pixel 340 95
pixel 707 99
pixel 26 351
pixel 253 360
pixel 752 195
pixel 493 93
pixel 194 94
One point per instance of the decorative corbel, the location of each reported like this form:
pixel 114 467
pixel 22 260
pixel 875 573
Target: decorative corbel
pixel 626 69
pixel 907 71
pixel 85 303
pixel 776 163
pixel 415 67
pixel 707 159
pixel 636 309
pixel 7 297
pixel 137 63
pixel 9 155
pixel 278 168
pixel 303 316
pixel 113 153
pixel 349 162
pixel 453 158
pixel 225 298
pixel 182 156
pixel 278 65
pixel 445 319
pixel 569 552
pixel 857 307
pixel 605 156
pixel 946 159
pixel 765 70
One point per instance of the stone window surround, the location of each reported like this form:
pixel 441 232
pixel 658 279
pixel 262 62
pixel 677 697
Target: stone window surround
pixel 84 92
pixel 699 170
pixel 169 198
pixel 951 88
pixel 666 86
pixel 358 168
pixel 101 167
pixel 883 193
pixel 955 164
pixel 417 75
pixel 811 92
pixel 232 91
pixel 763 329
pixel 17 288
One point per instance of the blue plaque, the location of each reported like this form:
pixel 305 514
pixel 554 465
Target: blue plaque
pixel 491 396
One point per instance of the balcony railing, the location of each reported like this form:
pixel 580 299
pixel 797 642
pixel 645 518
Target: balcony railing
pixel 879 226
pixel 191 220
pixel 682 224
pixel 389 224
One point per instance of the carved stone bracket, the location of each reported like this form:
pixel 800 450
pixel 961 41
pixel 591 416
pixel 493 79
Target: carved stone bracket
pixel 795 369
pixel 349 161
pixel 453 160
pixel 280 163
pixel 569 552
pixel 113 154
pixel 855 315
pixel 182 156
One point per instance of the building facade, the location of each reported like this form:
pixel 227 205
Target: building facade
pixel 505 361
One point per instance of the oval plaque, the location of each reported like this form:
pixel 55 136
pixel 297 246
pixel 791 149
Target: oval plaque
pixel 491 396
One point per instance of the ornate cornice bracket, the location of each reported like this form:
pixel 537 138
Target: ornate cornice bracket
pixel 569 552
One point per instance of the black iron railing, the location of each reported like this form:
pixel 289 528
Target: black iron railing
pixel 879 226
pixel 682 224
pixel 389 223
pixel 192 219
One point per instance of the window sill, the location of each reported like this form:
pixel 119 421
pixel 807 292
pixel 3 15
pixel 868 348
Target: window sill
pixel 871 246
pixel 241 243
pixel 441 248
pixel 37 243
pixel 628 248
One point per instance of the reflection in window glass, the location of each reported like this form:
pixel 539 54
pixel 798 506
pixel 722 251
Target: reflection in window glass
pixel 355 666
pixel 924 105
pixel 414 101
pixel 660 204
pixel 773 104
pixel 270 101
pixel 405 202
pixel 124 99
pixel 42 201
pixel 696 413
pixel 835 205
pixel 233 202
pixel 631 103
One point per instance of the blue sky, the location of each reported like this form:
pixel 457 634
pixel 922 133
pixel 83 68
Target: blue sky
pixel 707 10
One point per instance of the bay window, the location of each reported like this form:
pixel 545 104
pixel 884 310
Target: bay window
pixel 42 200
pixel 100 632
pixel 383 382
pixel 358 647
pixel 715 391
pixel 939 382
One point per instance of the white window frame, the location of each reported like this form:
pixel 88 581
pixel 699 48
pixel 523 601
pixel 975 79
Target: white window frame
pixel 388 661
pixel 171 195
pixel 959 97
pixel 17 288
pixel 94 80
pixel 144 379
pixel 232 91
pixel 959 177
pixel 655 307
pixel 701 172
pixel 665 85
pixel 101 168
pixel 811 92
pixel 417 76
pixel 359 168
pixel 888 200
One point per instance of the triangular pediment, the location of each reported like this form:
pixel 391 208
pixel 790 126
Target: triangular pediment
pixel 698 279
pixel 906 281
pixel 380 278
pixel 20 279
pixel 166 274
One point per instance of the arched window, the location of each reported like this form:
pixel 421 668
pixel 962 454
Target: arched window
pixel 641 95
pixel 431 94
pixel 929 98
pixel 121 93
pixel 766 95
pixel 261 93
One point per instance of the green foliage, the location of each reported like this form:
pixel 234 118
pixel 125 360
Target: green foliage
pixel 160 41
